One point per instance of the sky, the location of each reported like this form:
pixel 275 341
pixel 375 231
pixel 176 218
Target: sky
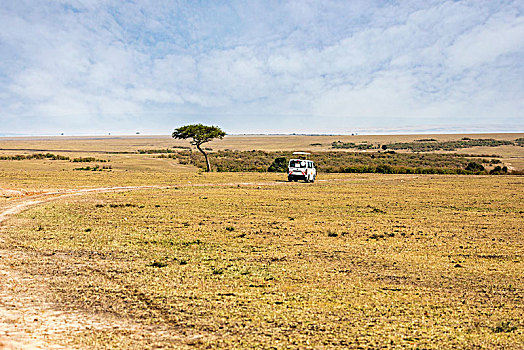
pixel 337 67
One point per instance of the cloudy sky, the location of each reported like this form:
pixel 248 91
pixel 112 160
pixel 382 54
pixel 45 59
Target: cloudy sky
pixel 93 67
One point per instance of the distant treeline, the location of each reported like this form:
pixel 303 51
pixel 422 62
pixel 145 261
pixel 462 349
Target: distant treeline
pixel 341 162
pixel 51 156
pixel 95 168
pixel 428 145
pixel 166 150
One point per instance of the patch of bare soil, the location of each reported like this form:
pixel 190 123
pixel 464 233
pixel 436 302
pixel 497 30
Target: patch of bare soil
pixel 27 320
pixel 13 193
pixel 7 193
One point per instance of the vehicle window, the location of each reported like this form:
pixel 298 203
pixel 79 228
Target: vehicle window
pixel 297 164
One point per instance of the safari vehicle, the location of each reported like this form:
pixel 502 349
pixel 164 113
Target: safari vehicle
pixel 301 169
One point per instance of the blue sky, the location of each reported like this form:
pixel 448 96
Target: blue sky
pixel 93 67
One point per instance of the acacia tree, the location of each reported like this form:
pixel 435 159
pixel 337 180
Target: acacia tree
pixel 199 134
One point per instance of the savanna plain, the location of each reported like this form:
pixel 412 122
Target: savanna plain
pixel 123 249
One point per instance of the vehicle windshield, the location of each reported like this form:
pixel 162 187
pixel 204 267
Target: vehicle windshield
pixel 297 163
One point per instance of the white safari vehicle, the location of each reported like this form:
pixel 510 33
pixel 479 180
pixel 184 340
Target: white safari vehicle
pixel 301 169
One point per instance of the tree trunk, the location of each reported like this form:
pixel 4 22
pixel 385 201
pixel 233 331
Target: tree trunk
pixel 205 156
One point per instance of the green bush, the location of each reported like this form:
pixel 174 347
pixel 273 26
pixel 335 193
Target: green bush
pixel 49 156
pixel 428 145
pixel 279 165
pixel 475 167
pixel 498 170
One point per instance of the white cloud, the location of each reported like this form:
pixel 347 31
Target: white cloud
pixel 388 94
pixel 484 44
pixel 328 64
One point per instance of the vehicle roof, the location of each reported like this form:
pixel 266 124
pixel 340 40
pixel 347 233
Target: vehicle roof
pixel 305 160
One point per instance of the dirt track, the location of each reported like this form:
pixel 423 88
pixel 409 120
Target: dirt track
pixel 27 321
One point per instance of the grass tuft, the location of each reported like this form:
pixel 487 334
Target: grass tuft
pixel 158 264
pixel 504 327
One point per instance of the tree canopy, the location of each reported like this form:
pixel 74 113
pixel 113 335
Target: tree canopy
pixel 199 134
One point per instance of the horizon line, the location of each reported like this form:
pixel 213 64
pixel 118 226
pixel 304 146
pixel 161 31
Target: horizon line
pixel 395 133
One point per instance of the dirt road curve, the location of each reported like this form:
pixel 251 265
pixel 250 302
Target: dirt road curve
pixel 26 320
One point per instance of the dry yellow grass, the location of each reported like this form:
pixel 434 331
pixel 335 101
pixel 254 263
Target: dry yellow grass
pixel 371 261
pixel 246 260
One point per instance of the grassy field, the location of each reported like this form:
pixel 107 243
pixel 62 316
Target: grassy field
pixel 246 260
